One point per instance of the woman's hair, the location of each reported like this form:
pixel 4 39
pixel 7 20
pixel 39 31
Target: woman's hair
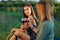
pixel 32 12
pixel 45 9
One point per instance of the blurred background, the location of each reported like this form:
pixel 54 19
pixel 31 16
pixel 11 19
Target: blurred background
pixel 11 14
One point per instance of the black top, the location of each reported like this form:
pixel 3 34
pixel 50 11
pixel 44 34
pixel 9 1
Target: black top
pixel 31 33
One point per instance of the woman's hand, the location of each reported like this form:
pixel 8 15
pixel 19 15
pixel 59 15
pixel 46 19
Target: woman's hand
pixel 32 20
pixel 30 24
pixel 21 30
pixel 13 30
pixel 23 27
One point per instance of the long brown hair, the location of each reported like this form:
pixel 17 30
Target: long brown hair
pixel 44 8
pixel 32 12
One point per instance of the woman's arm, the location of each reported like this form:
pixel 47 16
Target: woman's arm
pixel 32 23
pixel 32 27
pixel 32 20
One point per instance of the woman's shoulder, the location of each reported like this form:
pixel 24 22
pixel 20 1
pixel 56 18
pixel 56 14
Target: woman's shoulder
pixel 48 22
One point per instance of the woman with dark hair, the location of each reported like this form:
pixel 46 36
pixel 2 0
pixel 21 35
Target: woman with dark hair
pixel 28 17
pixel 28 13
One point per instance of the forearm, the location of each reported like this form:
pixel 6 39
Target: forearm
pixel 34 29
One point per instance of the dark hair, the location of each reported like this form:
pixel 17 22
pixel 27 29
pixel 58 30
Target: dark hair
pixel 23 10
pixel 32 12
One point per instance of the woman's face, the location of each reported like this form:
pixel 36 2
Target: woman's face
pixel 27 10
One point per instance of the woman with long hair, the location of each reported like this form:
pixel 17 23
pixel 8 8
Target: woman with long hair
pixel 46 28
pixel 29 13
pixel 28 17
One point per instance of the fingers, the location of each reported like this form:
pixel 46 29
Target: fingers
pixel 13 38
pixel 30 24
pixel 13 30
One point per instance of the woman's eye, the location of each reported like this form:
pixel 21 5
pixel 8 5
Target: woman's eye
pixel 27 9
